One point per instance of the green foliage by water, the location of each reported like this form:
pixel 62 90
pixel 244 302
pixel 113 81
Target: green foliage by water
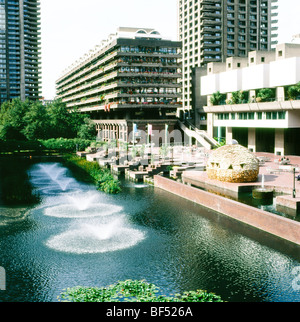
pixel 29 120
pixel 58 145
pixel 102 177
pixel 133 291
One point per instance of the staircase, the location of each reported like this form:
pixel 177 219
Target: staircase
pixel 199 135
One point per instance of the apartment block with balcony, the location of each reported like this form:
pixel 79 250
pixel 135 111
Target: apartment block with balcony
pixel 256 102
pixel 212 31
pixel 133 77
pixel 20 74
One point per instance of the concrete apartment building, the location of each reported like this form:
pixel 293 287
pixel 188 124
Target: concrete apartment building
pixel 211 31
pixel 262 123
pixel 20 75
pixel 131 82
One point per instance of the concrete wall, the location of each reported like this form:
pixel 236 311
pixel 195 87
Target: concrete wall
pixel 272 224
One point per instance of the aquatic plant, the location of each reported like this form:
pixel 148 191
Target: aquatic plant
pixel 133 291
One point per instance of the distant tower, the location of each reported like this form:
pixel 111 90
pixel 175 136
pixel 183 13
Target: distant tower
pixel 20 49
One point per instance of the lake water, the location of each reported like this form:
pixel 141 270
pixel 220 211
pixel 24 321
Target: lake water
pixel 77 236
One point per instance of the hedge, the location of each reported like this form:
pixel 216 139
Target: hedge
pixel 57 145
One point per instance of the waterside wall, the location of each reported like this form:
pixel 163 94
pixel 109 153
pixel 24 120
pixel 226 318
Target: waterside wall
pixel 281 227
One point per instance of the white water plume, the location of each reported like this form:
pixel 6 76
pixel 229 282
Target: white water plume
pixel 97 227
pixel 97 238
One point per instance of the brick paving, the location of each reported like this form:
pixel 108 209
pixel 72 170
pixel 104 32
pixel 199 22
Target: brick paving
pixel 276 176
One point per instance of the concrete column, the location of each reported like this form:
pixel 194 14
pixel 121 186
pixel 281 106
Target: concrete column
pixel 252 139
pixel 229 136
pixel 208 100
pixel 252 95
pixel 279 142
pixel 280 96
pixel 210 124
pixel 229 97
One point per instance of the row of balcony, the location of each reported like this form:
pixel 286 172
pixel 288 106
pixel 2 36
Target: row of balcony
pixel 116 74
pixel 101 63
pixel 166 93
pixel 91 106
pixel 124 82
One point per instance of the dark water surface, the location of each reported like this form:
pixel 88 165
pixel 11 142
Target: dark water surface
pixel 79 236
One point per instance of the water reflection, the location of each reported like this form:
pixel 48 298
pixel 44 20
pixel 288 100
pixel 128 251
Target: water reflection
pixel 78 236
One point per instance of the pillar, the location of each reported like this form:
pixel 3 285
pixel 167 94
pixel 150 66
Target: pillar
pixel 252 96
pixel 279 142
pixel 252 139
pixel 280 95
pixel 210 124
pixel 229 136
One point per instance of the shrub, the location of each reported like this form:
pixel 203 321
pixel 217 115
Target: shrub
pixel 65 145
pixel 104 180
pixel 266 94
pixel 216 98
pixel 293 92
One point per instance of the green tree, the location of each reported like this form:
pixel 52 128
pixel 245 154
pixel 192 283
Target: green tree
pixel 60 121
pixel 36 122
pixel 32 120
pixel 87 130
pixel 12 121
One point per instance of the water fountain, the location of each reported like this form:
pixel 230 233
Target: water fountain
pixel 263 193
pixel 95 237
pixel 82 205
pixel 97 226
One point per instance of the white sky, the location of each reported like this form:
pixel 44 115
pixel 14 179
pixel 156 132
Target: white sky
pixel 70 28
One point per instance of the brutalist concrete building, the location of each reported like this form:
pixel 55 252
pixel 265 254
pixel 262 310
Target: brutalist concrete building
pixel 212 31
pixel 130 82
pixel 20 46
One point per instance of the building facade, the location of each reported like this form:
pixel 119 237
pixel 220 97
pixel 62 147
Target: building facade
pixel 212 30
pixel 20 75
pixel 256 101
pixel 132 78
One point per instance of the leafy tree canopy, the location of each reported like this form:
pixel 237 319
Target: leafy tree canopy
pixel 32 120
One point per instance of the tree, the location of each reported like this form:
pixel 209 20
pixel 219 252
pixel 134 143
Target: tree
pixel 12 121
pixel 32 120
pixel 36 122
pixel 60 121
pixel 87 130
